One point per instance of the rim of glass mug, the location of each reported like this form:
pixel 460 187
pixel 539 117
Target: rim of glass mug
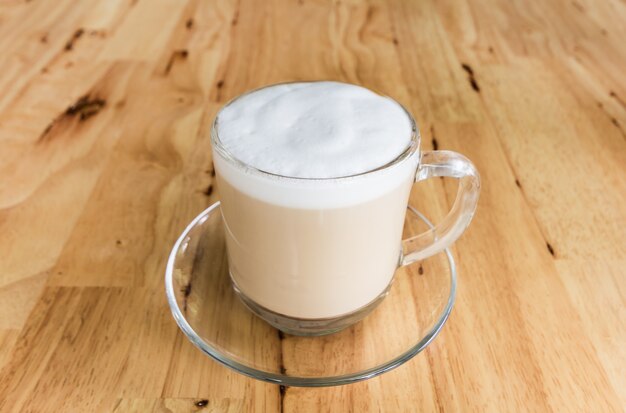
pixel 412 148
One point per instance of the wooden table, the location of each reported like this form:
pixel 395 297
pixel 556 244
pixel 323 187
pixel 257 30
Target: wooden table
pixel 105 108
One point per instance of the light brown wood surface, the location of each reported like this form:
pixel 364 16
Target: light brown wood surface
pixel 105 108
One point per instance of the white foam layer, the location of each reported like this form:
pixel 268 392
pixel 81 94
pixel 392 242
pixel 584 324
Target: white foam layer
pixel 314 129
pixel 317 194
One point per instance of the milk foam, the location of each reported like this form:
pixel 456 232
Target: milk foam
pixel 314 129
pixel 344 130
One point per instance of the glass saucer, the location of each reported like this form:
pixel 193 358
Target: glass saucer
pixel 212 317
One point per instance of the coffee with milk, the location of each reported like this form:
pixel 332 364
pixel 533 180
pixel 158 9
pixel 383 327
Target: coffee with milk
pixel 313 195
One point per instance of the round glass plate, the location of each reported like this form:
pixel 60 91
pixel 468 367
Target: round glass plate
pixel 212 317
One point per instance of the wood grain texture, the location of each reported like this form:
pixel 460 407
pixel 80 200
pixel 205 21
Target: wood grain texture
pixel 105 108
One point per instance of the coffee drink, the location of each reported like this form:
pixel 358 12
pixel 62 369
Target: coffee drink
pixel 314 180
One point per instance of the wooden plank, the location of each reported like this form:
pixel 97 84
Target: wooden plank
pixel 598 291
pixel 178 405
pixel 90 205
pixel 8 338
pixel 17 300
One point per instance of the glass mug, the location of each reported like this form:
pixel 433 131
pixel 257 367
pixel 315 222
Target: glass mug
pixel 312 256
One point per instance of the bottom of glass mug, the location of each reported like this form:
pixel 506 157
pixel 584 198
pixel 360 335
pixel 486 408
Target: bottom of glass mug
pixel 309 326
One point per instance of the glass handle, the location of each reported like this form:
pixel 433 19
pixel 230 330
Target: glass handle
pixel 436 239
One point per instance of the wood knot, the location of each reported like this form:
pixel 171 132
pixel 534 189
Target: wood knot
pixel 85 107
pixel 176 55
pixel 201 403
pixel 471 78
pixel 77 35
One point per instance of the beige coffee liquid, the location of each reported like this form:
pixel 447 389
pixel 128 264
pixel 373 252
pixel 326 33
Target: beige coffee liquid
pixel 313 263
pixel 318 247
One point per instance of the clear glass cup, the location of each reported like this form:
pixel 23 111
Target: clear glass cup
pixel 309 267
